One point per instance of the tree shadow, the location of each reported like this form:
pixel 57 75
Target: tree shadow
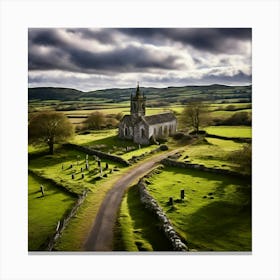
pixel 221 226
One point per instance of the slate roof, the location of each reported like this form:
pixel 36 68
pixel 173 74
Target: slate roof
pixel 159 118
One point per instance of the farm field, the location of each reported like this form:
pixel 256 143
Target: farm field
pixel 216 212
pixel 230 131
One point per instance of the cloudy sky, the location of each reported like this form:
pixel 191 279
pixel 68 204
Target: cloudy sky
pixel 90 59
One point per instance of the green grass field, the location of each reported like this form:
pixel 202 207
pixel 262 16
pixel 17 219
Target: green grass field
pixel 45 212
pixel 215 153
pixel 216 213
pixel 230 131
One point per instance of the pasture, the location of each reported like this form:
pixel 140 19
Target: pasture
pixel 216 212
pixel 230 131
pixel 45 212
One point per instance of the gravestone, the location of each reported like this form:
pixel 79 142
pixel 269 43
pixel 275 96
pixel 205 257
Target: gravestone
pixel 182 194
pixel 82 169
pixel 83 175
pixel 106 166
pixel 73 176
pixel 170 200
pixel 62 167
pixel 42 190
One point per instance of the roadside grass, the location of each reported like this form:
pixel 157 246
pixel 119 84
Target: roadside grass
pixel 230 131
pixel 215 153
pixel 75 234
pixel 216 212
pixel 45 212
pixel 137 229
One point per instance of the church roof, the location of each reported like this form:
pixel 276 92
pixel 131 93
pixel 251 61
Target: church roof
pixel 159 118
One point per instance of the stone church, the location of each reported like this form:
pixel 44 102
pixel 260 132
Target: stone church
pixel 144 129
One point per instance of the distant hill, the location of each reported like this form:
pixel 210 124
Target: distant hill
pixel 53 93
pixel 168 94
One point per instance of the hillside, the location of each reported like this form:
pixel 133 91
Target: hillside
pixel 169 94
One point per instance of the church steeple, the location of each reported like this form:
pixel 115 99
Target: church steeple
pixel 138 103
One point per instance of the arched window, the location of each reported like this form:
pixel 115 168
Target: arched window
pixel 126 131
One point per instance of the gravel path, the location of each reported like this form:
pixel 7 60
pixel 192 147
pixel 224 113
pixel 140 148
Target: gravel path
pixel 101 234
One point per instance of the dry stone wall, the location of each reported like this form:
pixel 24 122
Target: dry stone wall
pixel 97 153
pixel 180 164
pixel 151 204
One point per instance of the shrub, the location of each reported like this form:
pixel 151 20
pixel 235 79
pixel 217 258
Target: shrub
pixel 163 147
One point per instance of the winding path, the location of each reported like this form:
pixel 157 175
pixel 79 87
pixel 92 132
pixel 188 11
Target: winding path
pixel 101 234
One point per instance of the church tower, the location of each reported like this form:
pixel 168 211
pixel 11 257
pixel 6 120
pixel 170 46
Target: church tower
pixel 138 103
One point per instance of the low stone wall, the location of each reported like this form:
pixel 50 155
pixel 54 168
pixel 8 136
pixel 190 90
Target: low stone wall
pixel 151 204
pixel 236 139
pixel 61 225
pixel 180 164
pixel 97 153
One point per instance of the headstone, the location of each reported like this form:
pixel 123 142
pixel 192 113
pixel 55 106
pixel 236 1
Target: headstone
pixel 71 165
pixel 82 169
pixel 182 194
pixel 99 162
pixel 87 166
pixel 73 176
pixel 42 190
pixel 83 175
pixel 171 200
pixel 62 167
pixel 106 166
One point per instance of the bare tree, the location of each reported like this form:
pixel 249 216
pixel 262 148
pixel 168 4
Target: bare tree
pixel 50 128
pixel 194 115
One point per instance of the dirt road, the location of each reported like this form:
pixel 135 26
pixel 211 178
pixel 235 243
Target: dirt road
pixel 101 235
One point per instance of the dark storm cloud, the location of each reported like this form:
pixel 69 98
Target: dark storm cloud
pixel 60 55
pixel 109 57
pixel 127 59
pixel 208 39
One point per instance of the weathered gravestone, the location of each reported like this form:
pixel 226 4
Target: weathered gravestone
pixel 42 190
pixel 182 194
pixel 170 200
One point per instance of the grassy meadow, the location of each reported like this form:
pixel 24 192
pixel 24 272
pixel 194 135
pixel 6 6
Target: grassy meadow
pixel 44 212
pixel 216 212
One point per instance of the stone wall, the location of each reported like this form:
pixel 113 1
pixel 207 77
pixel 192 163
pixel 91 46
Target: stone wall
pixel 61 225
pixel 97 153
pixel 236 139
pixel 166 226
pixel 180 164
